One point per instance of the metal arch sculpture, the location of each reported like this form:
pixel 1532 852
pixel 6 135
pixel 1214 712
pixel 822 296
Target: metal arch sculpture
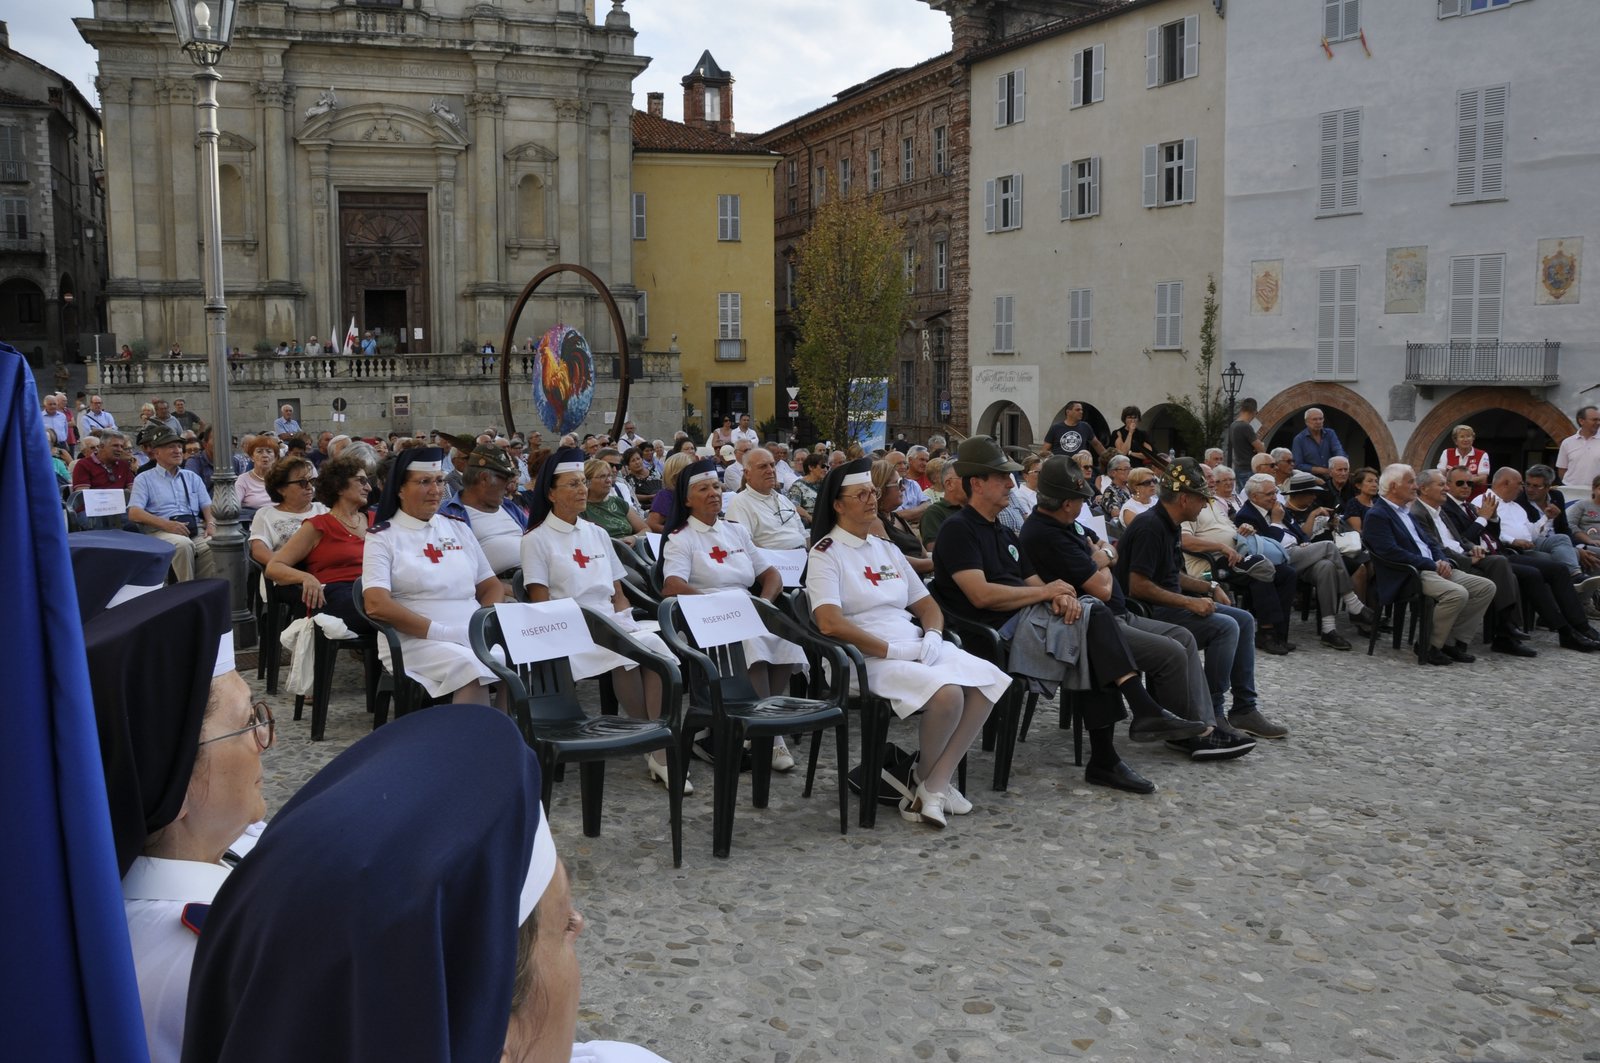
pixel 619 331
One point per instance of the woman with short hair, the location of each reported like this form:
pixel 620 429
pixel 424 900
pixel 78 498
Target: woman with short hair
pixel 291 484
pixel 607 508
pixel 1462 454
pixel 252 486
pixel 1142 484
pixel 324 555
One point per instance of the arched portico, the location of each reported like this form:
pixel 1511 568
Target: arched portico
pixel 1286 404
pixel 1470 405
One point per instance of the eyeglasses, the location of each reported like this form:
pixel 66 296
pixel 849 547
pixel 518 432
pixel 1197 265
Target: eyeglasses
pixel 363 480
pixel 260 723
pixel 867 494
pixel 1458 483
pixel 429 481
pixel 297 483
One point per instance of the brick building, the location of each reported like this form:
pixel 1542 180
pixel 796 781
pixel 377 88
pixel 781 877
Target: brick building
pixel 903 136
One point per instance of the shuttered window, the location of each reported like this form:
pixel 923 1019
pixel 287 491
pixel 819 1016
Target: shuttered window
pixel 1008 108
pixel 1089 76
pixel 1002 204
pixel 1336 322
pixel 1451 8
pixel 1004 309
pixel 638 216
pixel 1169 173
pixel 1477 294
pixel 1481 143
pixel 1172 51
pixel 874 169
pixel 1339 188
pixel 1079 315
pixel 730 316
pixel 728 217
pixel 1080 189
pixel 1341 20
pixel 941 265
pixel 642 311
pixel 1169 315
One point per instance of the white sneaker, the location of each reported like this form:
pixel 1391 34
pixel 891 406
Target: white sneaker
pixel 658 772
pixel 955 802
pixel 781 760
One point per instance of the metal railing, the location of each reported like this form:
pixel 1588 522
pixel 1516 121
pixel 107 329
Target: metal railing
pixel 1536 364
pixel 400 368
pixel 13 170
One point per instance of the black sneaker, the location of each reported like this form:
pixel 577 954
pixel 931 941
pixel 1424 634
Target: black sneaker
pixel 1218 745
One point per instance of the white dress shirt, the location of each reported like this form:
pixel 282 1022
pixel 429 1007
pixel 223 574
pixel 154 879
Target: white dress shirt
pixel 771 519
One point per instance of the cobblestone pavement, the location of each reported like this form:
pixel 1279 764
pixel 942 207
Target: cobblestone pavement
pixel 1411 875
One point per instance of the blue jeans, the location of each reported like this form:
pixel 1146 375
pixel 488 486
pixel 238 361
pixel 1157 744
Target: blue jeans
pixel 1559 547
pixel 1228 639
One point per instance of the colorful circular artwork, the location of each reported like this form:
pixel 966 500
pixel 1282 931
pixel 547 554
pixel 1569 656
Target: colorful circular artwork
pixel 563 379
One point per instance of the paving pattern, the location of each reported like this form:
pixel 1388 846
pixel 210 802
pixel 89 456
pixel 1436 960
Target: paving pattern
pixel 1412 875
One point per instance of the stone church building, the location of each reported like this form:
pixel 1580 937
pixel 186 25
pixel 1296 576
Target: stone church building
pixel 410 164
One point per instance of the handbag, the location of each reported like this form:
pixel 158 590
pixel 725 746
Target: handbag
pixel 1266 546
pixel 1349 543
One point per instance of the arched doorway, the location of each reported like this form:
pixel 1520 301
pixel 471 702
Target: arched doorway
pixel 1513 426
pixel 1364 433
pixel 22 318
pixel 1165 429
pixel 1006 422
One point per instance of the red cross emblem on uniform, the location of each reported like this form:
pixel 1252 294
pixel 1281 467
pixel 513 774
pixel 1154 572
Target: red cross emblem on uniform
pixel 872 577
pixel 432 553
pixel 578 556
pixel 718 554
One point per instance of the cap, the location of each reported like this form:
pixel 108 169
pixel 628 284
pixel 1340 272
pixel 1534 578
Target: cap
pixel 488 456
pixel 978 455
pixel 159 436
pixel 726 452
pixel 1183 476
pixel 1303 483
pixel 1060 478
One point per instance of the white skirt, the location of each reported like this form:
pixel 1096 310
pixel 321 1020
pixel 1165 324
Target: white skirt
pixel 441 667
pixel 770 649
pixel 597 660
pixel 909 684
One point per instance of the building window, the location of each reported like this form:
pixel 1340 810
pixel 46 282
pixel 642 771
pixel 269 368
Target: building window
pixel 30 307
pixel 1340 184
pixel 713 100
pixel 1002 204
pixel 14 218
pixel 788 285
pixel 874 169
pixel 1169 315
pixel 13 161
pixel 1080 188
pixel 819 186
pixel 909 268
pixel 1089 75
pixel 1336 322
pixel 940 143
pixel 844 177
pixel 1477 293
pixel 794 172
pixel 642 313
pixel 1004 310
pixel 727 217
pixel 1008 108
pixel 730 328
pixel 1451 8
pixel 1079 316
pixel 908 389
pixel 1169 173
pixel 941 362
pixel 1341 20
pixel 941 265
pixel 908 159
pixel 638 216
pixel 1481 143
pixel 1172 52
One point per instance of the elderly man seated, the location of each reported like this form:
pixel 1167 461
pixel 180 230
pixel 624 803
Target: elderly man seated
pixel 1522 527
pixel 1539 495
pixel 949 502
pixel 172 504
pixel 1211 538
pixel 1318 563
pixel 914 503
pixel 733 476
pixel 1460 598
pixel 764 511
pixel 1059 548
pixel 982 573
pixel 496 522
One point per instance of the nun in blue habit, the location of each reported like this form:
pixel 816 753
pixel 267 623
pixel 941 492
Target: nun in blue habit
pixel 406 904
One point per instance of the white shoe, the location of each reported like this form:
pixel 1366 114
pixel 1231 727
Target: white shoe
pixel 658 772
pixel 781 760
pixel 926 807
pixel 955 802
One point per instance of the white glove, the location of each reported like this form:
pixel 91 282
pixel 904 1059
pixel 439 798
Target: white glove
pixel 448 633
pixel 932 647
pixel 907 650
pixel 625 620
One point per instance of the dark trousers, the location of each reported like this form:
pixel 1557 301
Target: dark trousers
pixel 338 601
pixel 1109 661
pixel 1545 582
pixel 1272 604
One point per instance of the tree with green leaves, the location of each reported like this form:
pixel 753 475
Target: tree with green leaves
pixel 852 293
pixel 1202 418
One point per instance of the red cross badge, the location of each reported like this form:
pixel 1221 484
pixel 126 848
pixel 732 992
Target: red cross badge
pixel 432 553
pixel 718 554
pixel 583 561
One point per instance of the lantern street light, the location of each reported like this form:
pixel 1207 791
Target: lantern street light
pixel 205 29
pixel 1232 380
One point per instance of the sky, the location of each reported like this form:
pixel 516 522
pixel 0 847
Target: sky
pixel 786 56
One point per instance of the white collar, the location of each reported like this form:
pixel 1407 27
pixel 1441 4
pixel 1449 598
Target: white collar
pixel 155 878
pixel 405 520
pixel 844 538
pixel 555 523
pixel 699 525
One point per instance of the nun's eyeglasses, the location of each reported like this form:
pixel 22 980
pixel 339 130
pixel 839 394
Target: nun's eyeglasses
pixel 260 723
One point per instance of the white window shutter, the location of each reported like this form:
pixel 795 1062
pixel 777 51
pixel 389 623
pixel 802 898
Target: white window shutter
pixel 1328 171
pixel 1468 102
pixel 1018 87
pixel 1327 321
pixel 1152 175
pixel 1068 198
pixel 1191 45
pixel 1175 314
pixel 1086 315
pixel 1000 92
pixel 1189 145
pixel 1097 82
pixel 1345 356
pixel 1492 143
pixel 1447 8
pixel 1077 79
pixel 999 322
pixel 1161 316
pixel 1350 160
pixel 1331 11
pixel 1094 185
pixel 1491 283
pixel 1016 200
pixel 988 206
pixel 1352 18
pixel 1463 288
pixel 1152 57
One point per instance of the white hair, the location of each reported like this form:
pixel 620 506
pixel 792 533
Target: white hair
pixel 1391 475
pixel 1260 482
pixel 1338 458
pixel 1214 452
pixel 1118 462
pixel 1279 453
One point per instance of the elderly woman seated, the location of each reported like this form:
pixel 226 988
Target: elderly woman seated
pixel 607 508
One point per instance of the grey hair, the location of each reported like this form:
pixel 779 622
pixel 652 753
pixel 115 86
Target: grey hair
pixel 1118 462
pixel 1338 457
pixel 1427 477
pixel 1504 473
pixel 1049 504
pixel 110 433
pixel 941 441
pixel 914 451
pixel 1391 475
pixel 365 453
pixel 1260 482
pixel 1543 472
pixel 1210 453
pixel 1260 461
pixel 1279 453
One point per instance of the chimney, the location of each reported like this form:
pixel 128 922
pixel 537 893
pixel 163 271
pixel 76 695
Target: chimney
pixel 656 104
pixel 5 37
pixel 708 96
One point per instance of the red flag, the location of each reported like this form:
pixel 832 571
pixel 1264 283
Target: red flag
pixel 352 342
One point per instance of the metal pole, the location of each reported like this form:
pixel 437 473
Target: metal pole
pixel 228 544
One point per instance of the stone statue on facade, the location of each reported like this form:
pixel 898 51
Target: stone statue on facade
pixel 326 102
pixel 439 107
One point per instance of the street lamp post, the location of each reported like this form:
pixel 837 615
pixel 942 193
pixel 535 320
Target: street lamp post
pixel 1232 381
pixel 205 31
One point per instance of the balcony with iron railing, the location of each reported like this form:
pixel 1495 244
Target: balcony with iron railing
pixel 13 171
pixel 1526 364
pixel 31 244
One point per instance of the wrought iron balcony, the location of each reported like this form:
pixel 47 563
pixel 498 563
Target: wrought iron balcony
pixel 12 244
pixel 1529 364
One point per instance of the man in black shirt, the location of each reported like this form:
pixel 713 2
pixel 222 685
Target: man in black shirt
pixel 1071 434
pixel 1061 548
pixel 1242 442
pixel 981 573
pixel 1150 566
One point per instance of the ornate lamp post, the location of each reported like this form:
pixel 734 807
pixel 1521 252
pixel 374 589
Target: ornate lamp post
pixel 1232 380
pixel 205 30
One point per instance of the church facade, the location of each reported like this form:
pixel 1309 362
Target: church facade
pixel 408 164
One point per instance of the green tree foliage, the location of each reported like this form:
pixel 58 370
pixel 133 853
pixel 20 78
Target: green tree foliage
pixel 1202 418
pixel 853 299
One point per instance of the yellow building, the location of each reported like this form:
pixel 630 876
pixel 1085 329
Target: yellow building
pixel 702 250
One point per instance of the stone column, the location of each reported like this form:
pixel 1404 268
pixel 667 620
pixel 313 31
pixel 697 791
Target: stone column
pixel 486 109
pixel 124 308
pixel 325 263
pixel 620 206
pixel 178 94
pixel 447 288
pixel 273 98
pixel 570 172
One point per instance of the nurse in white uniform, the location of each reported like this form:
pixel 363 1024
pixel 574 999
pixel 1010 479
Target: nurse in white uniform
pixel 425 575
pixel 703 553
pixel 566 556
pixel 864 592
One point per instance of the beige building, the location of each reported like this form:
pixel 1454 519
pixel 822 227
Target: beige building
pixel 1096 206
pixel 409 166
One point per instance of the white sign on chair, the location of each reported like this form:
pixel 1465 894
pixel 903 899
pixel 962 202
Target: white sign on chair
pixel 543 631
pixel 720 618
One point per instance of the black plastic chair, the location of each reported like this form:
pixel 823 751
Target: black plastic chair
pixel 981 640
pixel 721 698
pixel 325 654
pixel 544 700
pixel 273 612
pixel 1409 596
pixel 408 694
pixel 641 568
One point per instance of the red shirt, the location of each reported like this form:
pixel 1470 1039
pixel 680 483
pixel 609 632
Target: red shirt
pixel 90 473
pixel 337 556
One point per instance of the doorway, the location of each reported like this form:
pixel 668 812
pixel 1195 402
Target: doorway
pixel 727 400
pixel 384 312
pixel 384 257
